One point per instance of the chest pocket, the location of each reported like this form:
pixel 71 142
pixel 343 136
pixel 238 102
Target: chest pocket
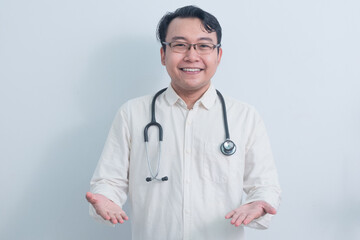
pixel 216 166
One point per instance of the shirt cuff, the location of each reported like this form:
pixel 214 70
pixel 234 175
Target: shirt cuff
pixel 264 221
pixel 261 222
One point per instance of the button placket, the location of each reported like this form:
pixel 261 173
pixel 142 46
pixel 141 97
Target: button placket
pixel 187 171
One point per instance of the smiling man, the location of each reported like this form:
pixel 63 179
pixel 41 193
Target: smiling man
pixel 190 67
pixel 197 191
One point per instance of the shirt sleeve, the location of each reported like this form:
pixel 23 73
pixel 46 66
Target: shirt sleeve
pixel 111 174
pixel 260 176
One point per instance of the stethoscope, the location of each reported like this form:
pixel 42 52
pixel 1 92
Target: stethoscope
pixel 228 147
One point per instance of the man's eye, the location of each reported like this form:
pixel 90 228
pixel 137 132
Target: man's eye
pixel 204 46
pixel 179 45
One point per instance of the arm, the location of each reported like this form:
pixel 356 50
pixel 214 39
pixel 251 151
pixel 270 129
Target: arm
pixel 109 184
pixel 260 182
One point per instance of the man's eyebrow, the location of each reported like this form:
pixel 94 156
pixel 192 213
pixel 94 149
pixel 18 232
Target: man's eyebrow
pixel 185 39
pixel 178 38
pixel 205 39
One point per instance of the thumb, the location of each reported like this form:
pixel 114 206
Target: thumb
pixel 91 198
pixel 268 208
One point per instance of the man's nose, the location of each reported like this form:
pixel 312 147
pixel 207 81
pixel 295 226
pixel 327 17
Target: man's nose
pixel 192 46
pixel 191 53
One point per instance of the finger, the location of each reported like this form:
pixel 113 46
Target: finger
pixel 106 217
pixel 240 220
pixel 124 216
pixel 103 214
pixel 113 219
pixel 230 214
pixel 249 219
pixel 235 217
pixel 91 198
pixel 119 218
pixel 268 208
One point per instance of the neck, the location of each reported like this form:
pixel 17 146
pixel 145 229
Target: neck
pixel 190 96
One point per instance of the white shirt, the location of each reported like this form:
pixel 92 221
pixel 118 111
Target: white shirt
pixel 204 185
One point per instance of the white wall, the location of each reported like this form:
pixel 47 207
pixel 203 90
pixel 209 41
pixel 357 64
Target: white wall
pixel 66 66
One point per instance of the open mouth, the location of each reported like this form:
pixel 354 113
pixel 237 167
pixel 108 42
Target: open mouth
pixel 191 70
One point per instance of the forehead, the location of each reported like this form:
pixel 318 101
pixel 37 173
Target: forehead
pixel 190 29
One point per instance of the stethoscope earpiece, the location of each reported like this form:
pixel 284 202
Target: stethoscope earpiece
pixel 149 179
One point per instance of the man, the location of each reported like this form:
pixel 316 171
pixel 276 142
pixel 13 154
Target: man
pixel 196 193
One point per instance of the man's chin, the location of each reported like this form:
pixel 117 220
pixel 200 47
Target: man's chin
pixel 191 87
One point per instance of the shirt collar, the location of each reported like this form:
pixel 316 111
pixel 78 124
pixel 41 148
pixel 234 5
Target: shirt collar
pixel 171 96
pixel 207 99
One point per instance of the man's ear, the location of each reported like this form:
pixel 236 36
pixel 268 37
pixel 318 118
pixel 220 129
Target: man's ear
pixel 219 56
pixel 162 54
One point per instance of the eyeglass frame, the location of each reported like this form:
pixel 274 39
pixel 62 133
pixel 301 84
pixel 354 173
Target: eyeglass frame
pixel 193 45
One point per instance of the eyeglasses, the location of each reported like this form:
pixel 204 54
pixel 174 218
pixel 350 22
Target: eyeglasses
pixel 183 47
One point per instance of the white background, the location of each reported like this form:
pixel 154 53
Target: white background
pixel 66 66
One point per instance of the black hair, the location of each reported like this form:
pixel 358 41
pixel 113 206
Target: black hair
pixel 209 22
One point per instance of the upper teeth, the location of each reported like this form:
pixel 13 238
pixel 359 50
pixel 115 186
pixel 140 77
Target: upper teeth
pixel 191 69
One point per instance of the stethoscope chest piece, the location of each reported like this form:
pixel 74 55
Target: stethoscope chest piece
pixel 228 147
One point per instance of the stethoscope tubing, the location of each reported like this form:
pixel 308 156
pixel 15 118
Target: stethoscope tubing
pixel 228 147
pixel 153 119
pixel 226 127
pixel 154 176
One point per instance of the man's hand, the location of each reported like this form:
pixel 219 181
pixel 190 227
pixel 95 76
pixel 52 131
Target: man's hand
pixel 248 212
pixel 106 208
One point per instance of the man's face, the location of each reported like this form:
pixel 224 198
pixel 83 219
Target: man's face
pixel 189 71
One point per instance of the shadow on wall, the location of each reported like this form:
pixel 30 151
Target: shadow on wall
pixel 54 205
